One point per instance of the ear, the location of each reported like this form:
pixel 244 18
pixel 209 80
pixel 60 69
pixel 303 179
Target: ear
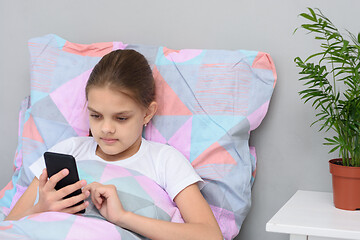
pixel 150 112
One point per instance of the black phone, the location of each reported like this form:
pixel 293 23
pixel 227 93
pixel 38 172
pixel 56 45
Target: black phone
pixel 56 162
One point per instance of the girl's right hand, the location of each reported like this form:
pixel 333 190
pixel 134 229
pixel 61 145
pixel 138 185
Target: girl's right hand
pixel 51 199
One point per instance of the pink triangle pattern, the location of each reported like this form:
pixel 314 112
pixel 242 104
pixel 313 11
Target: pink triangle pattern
pixel 30 130
pixel 49 216
pixel 151 133
pixel 226 221
pixel 19 192
pixel 7 187
pixel 72 93
pixel 168 101
pixel 91 50
pixel 181 140
pixel 257 116
pixel 111 171
pixel 119 45
pixel 161 198
pixel 215 154
pixel 100 229
pixel 18 160
pixel 181 55
pixel 264 61
pixel 2 228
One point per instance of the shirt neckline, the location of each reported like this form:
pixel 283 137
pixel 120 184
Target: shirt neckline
pixel 126 160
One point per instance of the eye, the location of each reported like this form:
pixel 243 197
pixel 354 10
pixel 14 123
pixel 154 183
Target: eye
pixel 95 116
pixel 121 118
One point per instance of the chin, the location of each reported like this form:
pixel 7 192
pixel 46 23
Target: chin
pixel 108 151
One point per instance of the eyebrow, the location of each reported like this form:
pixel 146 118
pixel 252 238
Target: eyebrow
pixel 119 113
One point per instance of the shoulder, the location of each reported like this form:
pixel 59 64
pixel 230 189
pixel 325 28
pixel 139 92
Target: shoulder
pixel 165 156
pixel 76 146
pixel 161 149
pixel 174 170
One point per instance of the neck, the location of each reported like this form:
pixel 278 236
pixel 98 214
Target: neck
pixel 132 150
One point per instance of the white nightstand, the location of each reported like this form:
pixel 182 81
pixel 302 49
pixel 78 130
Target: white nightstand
pixel 311 215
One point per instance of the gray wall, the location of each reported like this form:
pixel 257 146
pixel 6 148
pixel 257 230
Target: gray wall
pixel 290 153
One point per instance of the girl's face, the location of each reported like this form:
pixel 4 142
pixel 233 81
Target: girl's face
pixel 116 122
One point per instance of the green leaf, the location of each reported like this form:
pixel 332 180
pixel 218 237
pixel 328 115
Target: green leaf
pixel 311 28
pixel 314 55
pixel 334 149
pixel 307 16
pixel 312 13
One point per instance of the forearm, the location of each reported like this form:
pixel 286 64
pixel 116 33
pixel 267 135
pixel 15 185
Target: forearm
pixel 158 229
pixel 25 204
pixel 16 215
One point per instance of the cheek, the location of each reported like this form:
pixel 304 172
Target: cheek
pixel 131 130
pixel 93 126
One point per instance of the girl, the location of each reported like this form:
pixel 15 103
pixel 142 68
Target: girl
pixel 121 100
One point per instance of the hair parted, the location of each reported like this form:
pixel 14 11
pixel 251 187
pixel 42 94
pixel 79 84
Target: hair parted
pixel 124 69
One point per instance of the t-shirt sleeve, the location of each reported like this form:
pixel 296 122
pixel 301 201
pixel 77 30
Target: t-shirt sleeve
pixel 64 147
pixel 177 172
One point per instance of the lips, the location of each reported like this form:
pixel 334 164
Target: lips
pixel 109 140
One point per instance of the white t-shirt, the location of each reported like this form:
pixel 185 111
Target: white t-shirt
pixel 161 163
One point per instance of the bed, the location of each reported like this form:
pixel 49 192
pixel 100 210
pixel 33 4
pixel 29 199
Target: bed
pixel 209 102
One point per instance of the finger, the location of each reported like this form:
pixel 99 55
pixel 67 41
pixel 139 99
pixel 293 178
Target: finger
pixel 94 188
pixel 99 197
pixel 97 190
pixel 89 187
pixel 66 203
pixel 94 200
pixel 63 192
pixel 56 178
pixel 77 208
pixel 43 178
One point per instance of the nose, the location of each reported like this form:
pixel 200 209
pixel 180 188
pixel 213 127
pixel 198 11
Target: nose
pixel 108 127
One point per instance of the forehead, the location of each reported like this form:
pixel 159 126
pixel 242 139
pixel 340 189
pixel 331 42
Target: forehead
pixel 109 100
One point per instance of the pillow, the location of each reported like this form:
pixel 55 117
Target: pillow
pixel 14 189
pixel 209 102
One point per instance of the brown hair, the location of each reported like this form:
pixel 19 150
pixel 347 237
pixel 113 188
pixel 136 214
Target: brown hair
pixel 124 69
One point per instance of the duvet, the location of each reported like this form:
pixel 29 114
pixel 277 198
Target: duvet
pixel 137 193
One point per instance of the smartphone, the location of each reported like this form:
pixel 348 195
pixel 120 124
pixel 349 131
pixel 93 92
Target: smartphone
pixel 56 162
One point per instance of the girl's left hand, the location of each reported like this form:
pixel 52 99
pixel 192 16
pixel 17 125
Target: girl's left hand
pixel 106 200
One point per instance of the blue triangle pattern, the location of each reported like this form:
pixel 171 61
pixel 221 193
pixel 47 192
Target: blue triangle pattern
pixel 250 55
pixel 209 129
pixel 53 132
pixel 60 41
pixel 37 96
pixel 72 66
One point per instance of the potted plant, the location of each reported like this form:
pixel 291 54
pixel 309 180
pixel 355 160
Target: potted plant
pixel 331 78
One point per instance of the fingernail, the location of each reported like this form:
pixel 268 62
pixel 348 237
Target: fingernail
pixel 65 172
pixel 83 183
pixel 87 193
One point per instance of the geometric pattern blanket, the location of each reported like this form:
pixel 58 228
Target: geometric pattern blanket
pixel 138 194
